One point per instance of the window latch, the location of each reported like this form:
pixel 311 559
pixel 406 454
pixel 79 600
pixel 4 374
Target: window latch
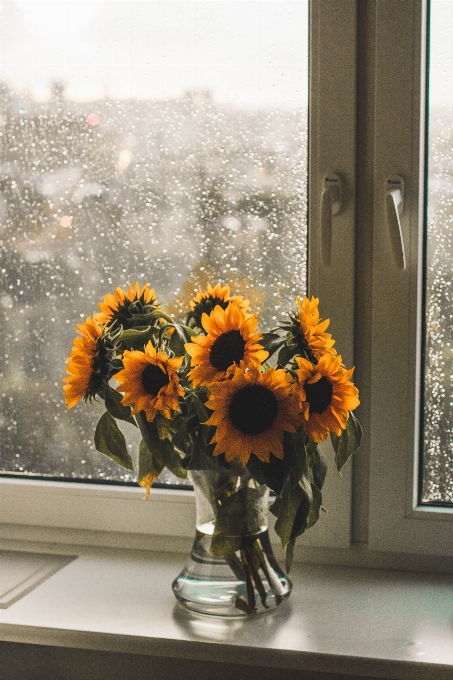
pixel 394 206
pixel 331 197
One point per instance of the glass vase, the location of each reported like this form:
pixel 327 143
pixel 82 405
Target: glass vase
pixel 231 570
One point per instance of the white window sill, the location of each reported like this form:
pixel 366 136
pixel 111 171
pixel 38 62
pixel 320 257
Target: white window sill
pixel 358 623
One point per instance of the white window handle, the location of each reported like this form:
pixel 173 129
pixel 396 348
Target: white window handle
pixel 394 206
pixel 331 196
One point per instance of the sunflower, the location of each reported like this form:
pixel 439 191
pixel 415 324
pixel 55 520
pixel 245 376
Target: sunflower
pixel 313 329
pixel 84 380
pixel 251 413
pixel 229 341
pixel 150 382
pixel 326 395
pixel 122 305
pixel 206 300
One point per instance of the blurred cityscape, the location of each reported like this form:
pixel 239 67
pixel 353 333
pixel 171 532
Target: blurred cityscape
pixel 437 421
pixel 176 193
pixel 94 195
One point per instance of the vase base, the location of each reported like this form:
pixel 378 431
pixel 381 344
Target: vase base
pixel 244 583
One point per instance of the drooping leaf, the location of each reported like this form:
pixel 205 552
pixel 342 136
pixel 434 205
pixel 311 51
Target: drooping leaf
pixel 348 442
pixel 255 467
pixel 294 454
pixel 172 459
pixel 109 440
pixel 115 407
pixel 289 555
pixel 315 509
pixel 150 436
pixel 163 452
pixel 180 437
pixel 275 473
pixel 292 508
pixel 318 466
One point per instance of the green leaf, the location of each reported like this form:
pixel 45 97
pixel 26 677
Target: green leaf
pixel 289 555
pixel 115 407
pixel 180 437
pixel 163 425
pixel 348 442
pixel 272 342
pixel 318 466
pixel 197 407
pixel 178 339
pixel 286 354
pixel 294 454
pixel 201 456
pixel 163 452
pixel 137 339
pixel 110 441
pixel 172 459
pixel 236 517
pixel 222 545
pixel 315 509
pixel 275 473
pixel 150 435
pixel 292 508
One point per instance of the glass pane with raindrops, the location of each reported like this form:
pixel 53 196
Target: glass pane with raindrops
pixel 437 463
pixel 153 141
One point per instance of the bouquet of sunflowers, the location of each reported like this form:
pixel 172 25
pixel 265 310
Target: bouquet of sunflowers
pixel 211 393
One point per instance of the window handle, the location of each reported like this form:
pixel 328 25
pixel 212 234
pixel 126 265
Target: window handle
pixel 394 206
pixel 331 195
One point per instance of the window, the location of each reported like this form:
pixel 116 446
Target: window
pixel 367 125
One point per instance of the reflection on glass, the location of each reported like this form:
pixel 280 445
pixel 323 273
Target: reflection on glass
pixel 437 482
pixel 163 142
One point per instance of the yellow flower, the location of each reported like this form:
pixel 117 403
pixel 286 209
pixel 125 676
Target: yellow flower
pixel 326 396
pixel 206 300
pixel 313 329
pixel 116 307
pixel 82 380
pixel 230 342
pixel 150 382
pixel 251 413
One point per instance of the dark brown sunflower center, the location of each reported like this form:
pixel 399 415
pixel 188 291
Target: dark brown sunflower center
pixel 153 378
pixel 319 394
pixel 227 349
pixel 253 409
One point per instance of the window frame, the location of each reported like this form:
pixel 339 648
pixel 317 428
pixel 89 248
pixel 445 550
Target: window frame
pixel 373 121
pixel 394 138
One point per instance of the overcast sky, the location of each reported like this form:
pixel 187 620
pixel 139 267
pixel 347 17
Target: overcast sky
pixel 248 52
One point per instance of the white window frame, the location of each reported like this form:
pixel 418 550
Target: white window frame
pixel 397 522
pixel 374 503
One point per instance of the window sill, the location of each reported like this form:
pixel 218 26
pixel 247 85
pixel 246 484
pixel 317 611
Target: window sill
pixel 351 622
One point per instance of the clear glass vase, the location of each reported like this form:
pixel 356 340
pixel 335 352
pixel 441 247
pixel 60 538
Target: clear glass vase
pixel 231 570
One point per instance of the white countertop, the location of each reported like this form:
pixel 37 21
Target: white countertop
pixel 365 622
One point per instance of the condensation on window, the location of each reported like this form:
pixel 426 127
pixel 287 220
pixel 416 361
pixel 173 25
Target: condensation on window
pixel 437 482
pixel 150 141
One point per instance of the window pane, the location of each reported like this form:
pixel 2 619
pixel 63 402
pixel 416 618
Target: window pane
pixel 164 142
pixel 437 485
